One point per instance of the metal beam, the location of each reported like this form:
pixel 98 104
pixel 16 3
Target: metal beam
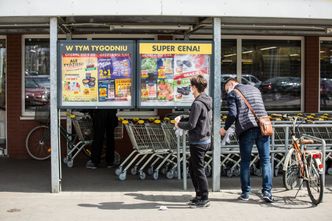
pixel 55 153
pixel 216 103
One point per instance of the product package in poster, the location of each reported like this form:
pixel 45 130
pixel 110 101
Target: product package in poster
pixel 79 76
pixel 114 72
pixel 149 76
pixel 106 89
pixel 123 89
pixel 157 78
pixel 165 90
pixel 186 67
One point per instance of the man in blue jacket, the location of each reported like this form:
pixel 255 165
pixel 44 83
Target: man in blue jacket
pixel 249 134
pixel 199 127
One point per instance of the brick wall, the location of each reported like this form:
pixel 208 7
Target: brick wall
pixel 311 69
pixel 16 128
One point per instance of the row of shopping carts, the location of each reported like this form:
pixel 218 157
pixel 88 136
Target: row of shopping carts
pixel 156 149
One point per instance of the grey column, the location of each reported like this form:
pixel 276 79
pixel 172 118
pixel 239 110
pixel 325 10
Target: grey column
pixel 55 153
pixel 216 103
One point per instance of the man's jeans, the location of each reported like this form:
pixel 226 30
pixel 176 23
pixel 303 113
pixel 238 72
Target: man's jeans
pixel 247 140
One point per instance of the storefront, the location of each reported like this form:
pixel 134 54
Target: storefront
pixel 287 55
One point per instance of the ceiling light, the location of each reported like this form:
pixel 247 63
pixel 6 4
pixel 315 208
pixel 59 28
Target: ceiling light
pixel 269 48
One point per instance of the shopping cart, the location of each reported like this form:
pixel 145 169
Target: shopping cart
pixel 84 136
pixel 149 145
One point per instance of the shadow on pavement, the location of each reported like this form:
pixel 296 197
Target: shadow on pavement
pixel 124 206
pixel 161 198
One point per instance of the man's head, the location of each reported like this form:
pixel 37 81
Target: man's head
pixel 198 84
pixel 230 84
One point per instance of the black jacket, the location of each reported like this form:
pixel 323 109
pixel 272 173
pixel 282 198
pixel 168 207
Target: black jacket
pixel 200 119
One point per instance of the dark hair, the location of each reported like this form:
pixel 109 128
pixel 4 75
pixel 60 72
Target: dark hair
pixel 228 80
pixel 199 82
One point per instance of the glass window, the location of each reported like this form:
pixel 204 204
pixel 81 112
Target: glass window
pixel 274 66
pixel 2 75
pixel 228 65
pixel 326 75
pixel 36 73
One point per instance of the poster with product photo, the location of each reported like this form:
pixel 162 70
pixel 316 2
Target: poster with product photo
pixel 79 75
pixel 165 70
pixel 96 74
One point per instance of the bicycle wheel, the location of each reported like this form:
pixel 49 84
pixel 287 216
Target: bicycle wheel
pixel 38 143
pixel 291 176
pixel 314 182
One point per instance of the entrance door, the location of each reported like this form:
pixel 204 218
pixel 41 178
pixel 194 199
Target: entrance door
pixel 3 113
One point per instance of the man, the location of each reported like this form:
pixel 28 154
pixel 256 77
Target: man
pixel 249 134
pixel 199 126
pixel 104 123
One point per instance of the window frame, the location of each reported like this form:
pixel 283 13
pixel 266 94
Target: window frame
pixel 4 37
pixel 319 71
pixel 240 38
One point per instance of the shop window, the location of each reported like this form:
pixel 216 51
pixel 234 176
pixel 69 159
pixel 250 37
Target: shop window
pixel 274 66
pixel 2 74
pixel 36 73
pixel 228 65
pixel 326 76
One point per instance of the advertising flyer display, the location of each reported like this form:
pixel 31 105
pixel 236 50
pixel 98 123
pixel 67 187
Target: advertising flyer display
pixel 166 69
pixel 96 73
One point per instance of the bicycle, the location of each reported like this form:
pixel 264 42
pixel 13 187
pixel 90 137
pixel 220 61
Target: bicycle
pixel 38 140
pixel 303 165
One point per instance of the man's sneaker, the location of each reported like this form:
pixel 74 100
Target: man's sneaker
pixel 244 196
pixel 202 203
pixel 267 197
pixel 193 201
pixel 90 165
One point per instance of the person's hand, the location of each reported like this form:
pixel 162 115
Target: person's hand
pixel 177 120
pixel 222 132
pixel 176 124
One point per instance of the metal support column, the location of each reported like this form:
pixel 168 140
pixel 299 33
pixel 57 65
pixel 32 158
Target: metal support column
pixel 55 153
pixel 216 103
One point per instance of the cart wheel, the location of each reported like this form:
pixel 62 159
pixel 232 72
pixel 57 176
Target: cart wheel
pixel 229 173
pixel 155 175
pixel 236 171
pixel 133 171
pixel 70 163
pixel 142 175
pixel 150 171
pixel 118 171
pixel 123 176
pixel 65 160
pixel 170 174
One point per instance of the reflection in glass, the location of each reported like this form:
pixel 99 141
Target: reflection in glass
pixel 228 65
pixel 37 75
pixel 274 66
pixel 326 75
